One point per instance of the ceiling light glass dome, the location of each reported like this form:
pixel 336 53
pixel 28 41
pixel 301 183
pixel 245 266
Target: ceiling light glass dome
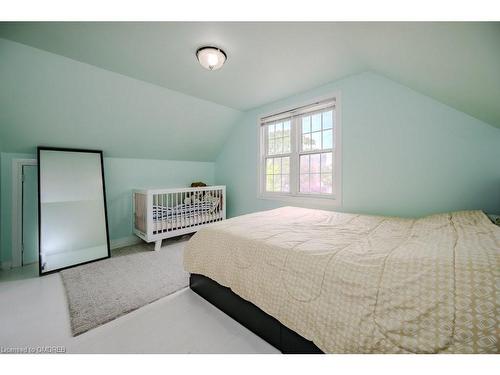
pixel 211 58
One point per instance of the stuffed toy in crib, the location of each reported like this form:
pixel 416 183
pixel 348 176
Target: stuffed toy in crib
pixel 196 197
pixel 202 196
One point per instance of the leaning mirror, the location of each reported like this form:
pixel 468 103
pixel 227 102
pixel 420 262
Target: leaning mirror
pixel 72 208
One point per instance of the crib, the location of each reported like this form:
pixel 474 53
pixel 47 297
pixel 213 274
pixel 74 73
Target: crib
pixel 165 213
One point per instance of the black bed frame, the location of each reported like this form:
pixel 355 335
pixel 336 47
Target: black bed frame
pixel 250 316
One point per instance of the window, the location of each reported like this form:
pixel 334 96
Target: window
pixel 278 137
pixel 300 152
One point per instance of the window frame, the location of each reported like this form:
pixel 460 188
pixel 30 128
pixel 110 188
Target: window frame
pixel 295 196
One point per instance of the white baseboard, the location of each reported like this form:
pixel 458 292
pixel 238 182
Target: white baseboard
pixel 125 241
pixel 4 266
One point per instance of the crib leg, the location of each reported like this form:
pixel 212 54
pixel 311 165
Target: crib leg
pixel 157 245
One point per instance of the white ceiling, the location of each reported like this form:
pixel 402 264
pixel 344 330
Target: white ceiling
pixel 455 63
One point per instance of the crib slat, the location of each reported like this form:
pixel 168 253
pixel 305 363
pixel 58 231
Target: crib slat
pixel 163 211
pixel 179 200
pixel 214 194
pixel 155 203
pixel 167 212
pixel 160 223
pixel 214 211
pixel 160 206
pixel 176 208
pixel 172 212
pixel 170 205
pixel 194 218
pixel 189 214
pixel 217 196
pixel 211 212
pixel 160 217
pixel 153 223
pixel 158 211
pixel 217 206
pixel 199 215
pixel 206 214
pixel 183 212
pixel 183 215
pixel 202 213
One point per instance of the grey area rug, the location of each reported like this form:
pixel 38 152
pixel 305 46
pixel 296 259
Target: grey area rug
pixel 133 277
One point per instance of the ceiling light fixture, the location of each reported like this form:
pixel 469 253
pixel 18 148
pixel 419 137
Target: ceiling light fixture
pixel 211 58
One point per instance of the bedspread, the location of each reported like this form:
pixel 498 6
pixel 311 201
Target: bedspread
pixel 363 284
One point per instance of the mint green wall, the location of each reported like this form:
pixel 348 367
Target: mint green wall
pixel 121 176
pixel 47 99
pixel 403 153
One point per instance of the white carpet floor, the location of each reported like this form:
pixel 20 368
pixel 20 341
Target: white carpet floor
pixel 34 312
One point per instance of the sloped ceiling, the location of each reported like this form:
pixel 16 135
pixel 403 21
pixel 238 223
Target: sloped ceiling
pixel 47 99
pixel 455 63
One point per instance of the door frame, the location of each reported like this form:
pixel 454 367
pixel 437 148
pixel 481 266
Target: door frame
pixel 17 206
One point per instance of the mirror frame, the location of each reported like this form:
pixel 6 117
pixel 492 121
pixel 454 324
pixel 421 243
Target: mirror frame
pixel 62 149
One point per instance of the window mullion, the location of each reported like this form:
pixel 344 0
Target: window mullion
pixel 265 134
pixel 316 152
pixel 294 160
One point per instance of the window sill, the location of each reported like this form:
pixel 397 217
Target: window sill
pixel 303 200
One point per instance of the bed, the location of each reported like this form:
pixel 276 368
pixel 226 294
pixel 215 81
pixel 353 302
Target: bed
pixel 360 284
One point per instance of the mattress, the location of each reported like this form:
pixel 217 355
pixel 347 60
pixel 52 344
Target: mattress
pixel 180 222
pixel 363 284
pixel 183 210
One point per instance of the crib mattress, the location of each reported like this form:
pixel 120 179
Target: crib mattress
pixel 363 284
pixel 168 224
